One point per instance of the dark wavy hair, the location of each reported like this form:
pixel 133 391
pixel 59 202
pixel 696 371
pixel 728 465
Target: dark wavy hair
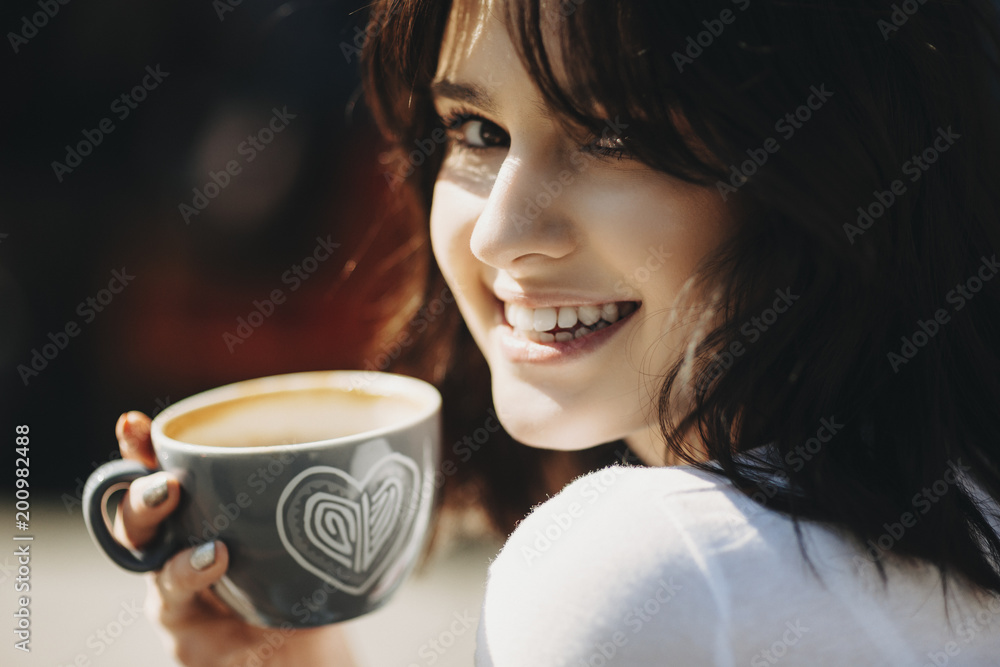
pixel 860 139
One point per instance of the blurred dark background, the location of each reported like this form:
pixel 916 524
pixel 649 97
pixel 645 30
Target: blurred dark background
pixel 215 75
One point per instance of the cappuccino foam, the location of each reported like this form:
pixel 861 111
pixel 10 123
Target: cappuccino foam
pixel 290 417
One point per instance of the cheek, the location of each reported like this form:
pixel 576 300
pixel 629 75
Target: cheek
pixel 454 212
pixel 669 230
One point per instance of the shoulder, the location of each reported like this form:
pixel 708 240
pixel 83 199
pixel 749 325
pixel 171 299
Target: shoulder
pixel 629 513
pixel 637 566
pixel 630 561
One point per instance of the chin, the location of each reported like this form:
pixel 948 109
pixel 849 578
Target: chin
pixel 540 422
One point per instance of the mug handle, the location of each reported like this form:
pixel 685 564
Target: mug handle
pixel 105 480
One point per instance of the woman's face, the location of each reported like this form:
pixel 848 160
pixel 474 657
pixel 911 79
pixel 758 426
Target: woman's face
pixel 565 255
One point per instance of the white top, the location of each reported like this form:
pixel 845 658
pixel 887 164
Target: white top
pixel 673 566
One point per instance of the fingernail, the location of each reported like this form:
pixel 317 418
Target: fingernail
pixel 132 421
pixel 203 557
pixel 126 429
pixel 155 494
pixel 120 425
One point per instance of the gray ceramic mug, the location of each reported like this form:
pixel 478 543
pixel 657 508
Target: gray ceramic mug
pixel 320 484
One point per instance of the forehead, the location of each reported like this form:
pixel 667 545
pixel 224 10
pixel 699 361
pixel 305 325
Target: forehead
pixel 477 53
pixel 474 38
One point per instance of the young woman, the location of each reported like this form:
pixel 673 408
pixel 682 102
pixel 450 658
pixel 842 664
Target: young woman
pixel 758 238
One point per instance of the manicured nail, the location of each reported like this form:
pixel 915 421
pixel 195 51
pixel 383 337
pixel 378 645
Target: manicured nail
pixel 125 430
pixel 155 494
pixel 120 424
pixel 132 421
pixel 203 557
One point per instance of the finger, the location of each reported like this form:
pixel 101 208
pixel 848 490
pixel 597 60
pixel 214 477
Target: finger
pixel 183 580
pixel 134 442
pixel 148 501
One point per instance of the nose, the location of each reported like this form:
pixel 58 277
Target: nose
pixel 526 219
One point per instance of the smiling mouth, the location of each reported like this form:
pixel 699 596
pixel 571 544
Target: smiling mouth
pixel 565 323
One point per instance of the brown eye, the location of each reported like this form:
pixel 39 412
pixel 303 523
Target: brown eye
pixel 476 132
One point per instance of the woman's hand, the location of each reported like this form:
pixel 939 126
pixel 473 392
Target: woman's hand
pixel 197 627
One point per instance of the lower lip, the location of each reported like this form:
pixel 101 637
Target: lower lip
pixel 522 350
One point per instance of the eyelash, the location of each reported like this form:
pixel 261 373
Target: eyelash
pixel 619 152
pixel 453 121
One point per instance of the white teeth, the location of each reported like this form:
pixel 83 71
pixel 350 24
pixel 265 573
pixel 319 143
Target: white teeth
pixel 524 318
pixel 535 321
pixel 567 317
pixel 609 312
pixel 545 319
pixel 589 314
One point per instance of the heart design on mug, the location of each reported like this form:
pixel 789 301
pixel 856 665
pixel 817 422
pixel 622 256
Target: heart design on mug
pixel 347 531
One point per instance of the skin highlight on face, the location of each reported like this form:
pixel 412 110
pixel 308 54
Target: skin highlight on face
pixel 537 228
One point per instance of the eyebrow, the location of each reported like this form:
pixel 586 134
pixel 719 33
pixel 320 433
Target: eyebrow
pixel 469 93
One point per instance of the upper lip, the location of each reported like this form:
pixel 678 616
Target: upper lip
pixel 551 298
